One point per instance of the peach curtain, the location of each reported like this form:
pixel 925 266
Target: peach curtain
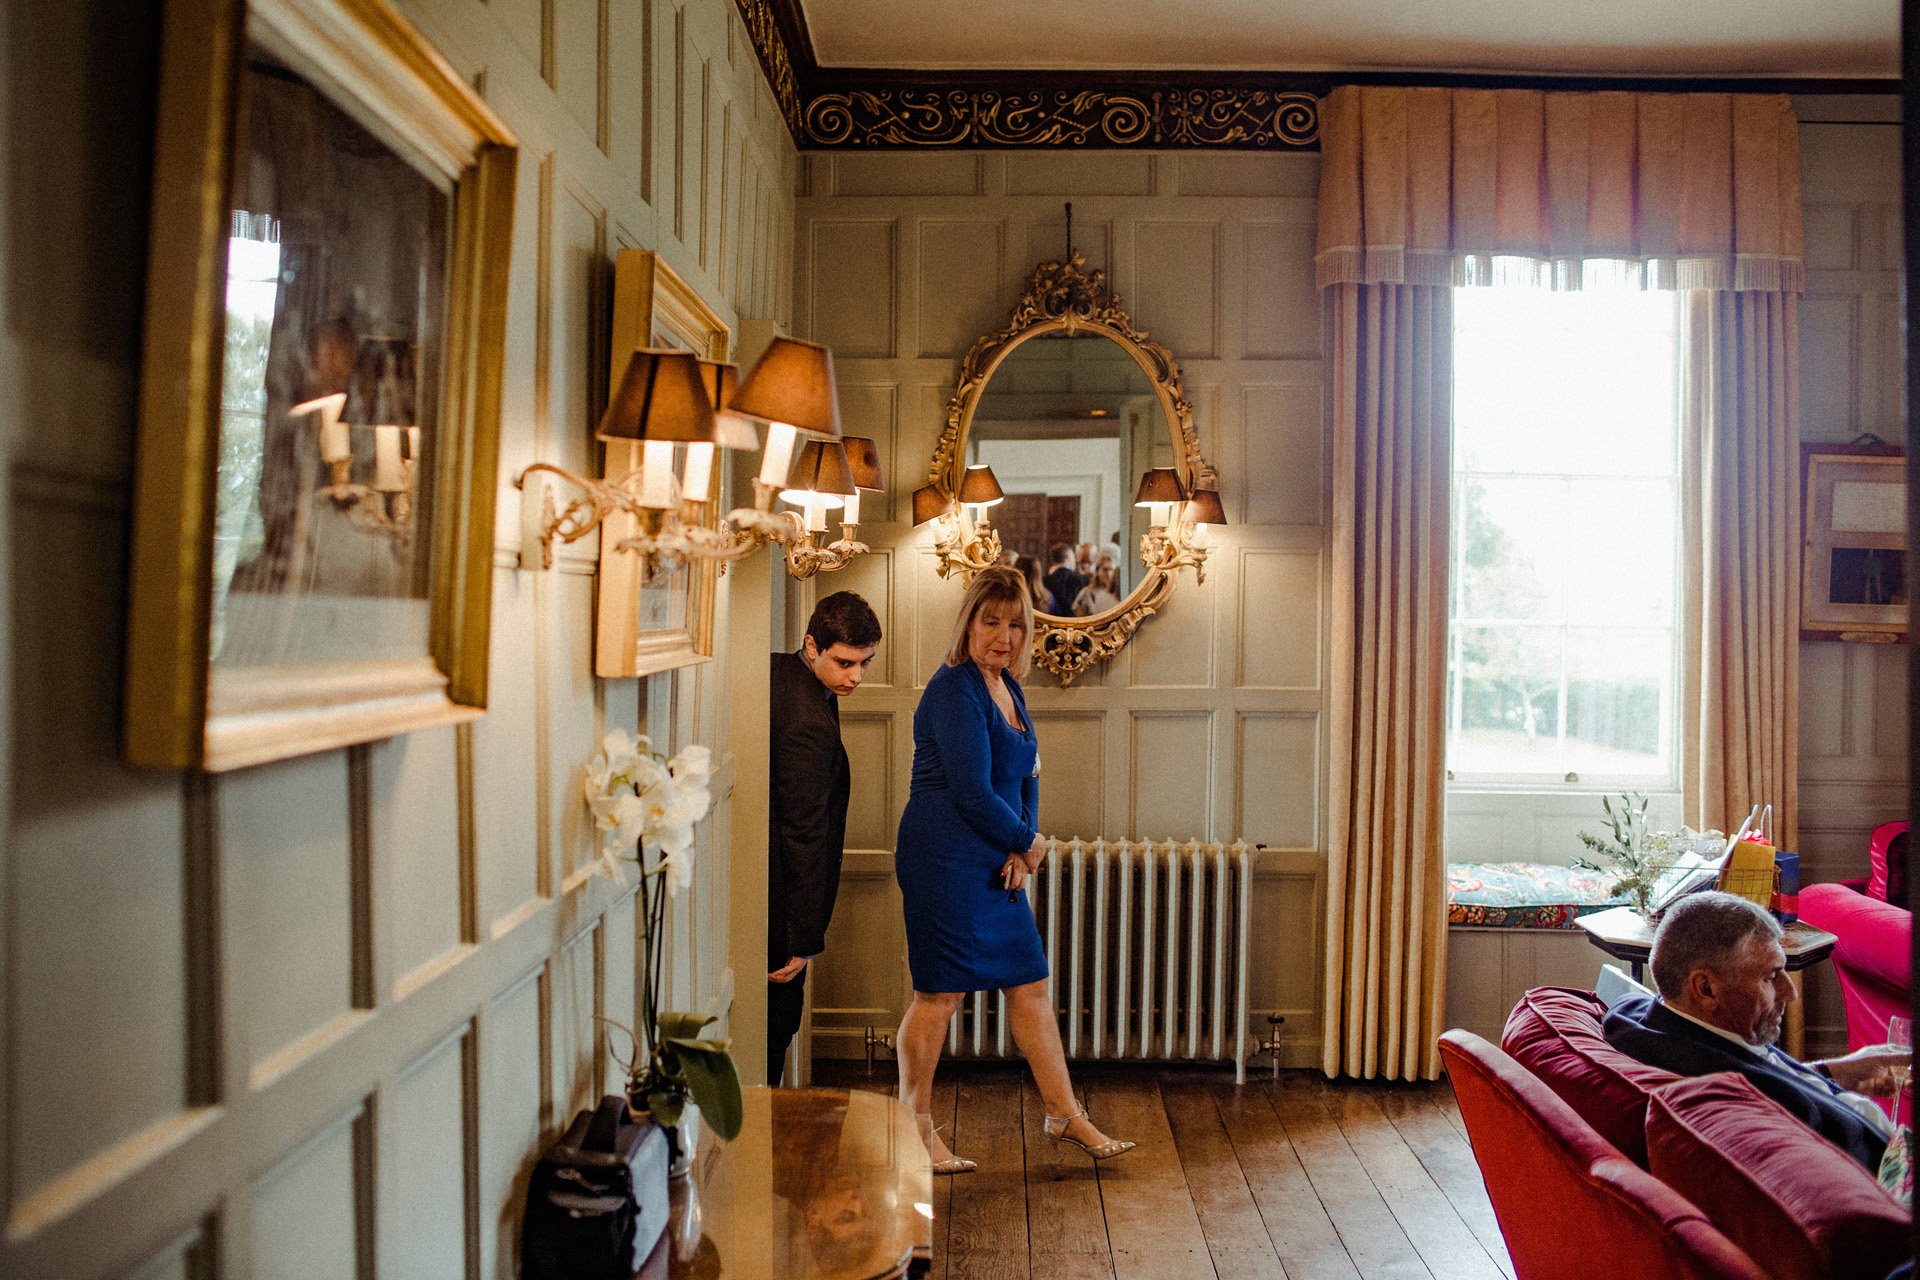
pixel 1391 396
pixel 1425 186
pixel 1423 189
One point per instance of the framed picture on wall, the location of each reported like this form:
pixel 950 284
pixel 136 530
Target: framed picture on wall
pixel 642 627
pixel 312 553
pixel 1854 550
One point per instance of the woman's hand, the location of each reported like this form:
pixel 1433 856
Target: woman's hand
pixel 1014 872
pixel 1036 853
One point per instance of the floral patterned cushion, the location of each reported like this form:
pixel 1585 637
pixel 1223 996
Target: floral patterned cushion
pixel 1524 895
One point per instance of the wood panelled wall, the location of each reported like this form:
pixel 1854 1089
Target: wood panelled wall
pixel 1853 697
pixel 316 1018
pixel 1209 724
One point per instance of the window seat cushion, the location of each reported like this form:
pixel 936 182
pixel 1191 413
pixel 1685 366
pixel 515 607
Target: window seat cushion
pixel 1524 895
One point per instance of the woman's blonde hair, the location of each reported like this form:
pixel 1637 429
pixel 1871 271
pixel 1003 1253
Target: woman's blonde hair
pixel 999 585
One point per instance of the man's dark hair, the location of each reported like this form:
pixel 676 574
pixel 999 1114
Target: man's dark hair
pixel 843 618
pixel 1060 549
pixel 1704 931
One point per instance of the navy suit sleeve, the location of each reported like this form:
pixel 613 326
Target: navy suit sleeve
pixel 805 755
pixel 960 728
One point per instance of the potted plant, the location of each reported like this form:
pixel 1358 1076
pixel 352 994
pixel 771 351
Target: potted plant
pixel 1636 857
pixel 645 806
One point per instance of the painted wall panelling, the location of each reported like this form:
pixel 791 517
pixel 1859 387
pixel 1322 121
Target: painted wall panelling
pixel 317 1018
pixel 1209 725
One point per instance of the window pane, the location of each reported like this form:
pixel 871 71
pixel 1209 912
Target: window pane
pixel 1616 686
pixel 1510 555
pixel 1564 382
pixel 1620 536
pixel 1507 695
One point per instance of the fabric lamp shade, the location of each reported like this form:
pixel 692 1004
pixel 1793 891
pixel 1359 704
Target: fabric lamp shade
pixel 661 397
pixel 1160 484
pixel 979 487
pixel 731 430
pixel 820 472
pixel 863 463
pixel 930 502
pixel 330 362
pixel 382 391
pixel 792 382
pixel 1204 507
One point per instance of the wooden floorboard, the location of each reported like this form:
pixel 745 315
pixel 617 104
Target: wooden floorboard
pixel 1447 1156
pixel 1443 1241
pixel 1068 1238
pixel 1300 1178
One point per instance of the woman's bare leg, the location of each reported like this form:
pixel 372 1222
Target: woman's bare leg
pixel 917 1044
pixel 1036 1029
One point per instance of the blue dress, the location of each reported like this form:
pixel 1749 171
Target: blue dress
pixel 975 799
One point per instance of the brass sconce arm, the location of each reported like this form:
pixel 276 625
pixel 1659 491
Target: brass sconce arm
pixel 1173 548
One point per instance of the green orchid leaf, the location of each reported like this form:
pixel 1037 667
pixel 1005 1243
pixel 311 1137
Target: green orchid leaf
pixel 707 1047
pixel 683 1026
pixel 716 1087
pixel 666 1105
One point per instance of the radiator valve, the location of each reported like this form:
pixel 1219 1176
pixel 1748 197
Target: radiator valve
pixel 1271 1045
pixel 876 1040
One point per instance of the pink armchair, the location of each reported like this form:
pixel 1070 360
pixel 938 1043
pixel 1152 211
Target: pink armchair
pixel 1873 959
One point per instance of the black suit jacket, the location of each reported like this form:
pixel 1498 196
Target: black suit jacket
pixel 1643 1028
pixel 806 813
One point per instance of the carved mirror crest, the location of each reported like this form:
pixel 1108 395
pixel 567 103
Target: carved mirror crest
pixel 1070 406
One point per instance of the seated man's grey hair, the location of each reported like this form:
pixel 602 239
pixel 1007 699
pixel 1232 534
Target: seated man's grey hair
pixel 1704 931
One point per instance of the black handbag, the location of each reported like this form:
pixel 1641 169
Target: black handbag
pixel 597 1200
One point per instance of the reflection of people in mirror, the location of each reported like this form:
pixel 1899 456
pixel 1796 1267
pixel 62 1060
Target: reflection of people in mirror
pixel 1063 580
pixel 1102 593
pixel 809 784
pixel 1043 601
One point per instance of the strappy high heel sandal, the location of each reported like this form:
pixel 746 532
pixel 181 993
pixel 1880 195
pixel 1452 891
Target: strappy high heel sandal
pixel 952 1164
pixel 1099 1151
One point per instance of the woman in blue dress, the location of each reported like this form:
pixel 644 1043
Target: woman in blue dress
pixel 968 841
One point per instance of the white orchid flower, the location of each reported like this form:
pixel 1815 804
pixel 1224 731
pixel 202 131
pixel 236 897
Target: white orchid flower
pixel 693 766
pixel 679 869
pixel 629 821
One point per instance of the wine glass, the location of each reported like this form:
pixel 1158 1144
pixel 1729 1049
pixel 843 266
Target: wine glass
pixel 1900 1035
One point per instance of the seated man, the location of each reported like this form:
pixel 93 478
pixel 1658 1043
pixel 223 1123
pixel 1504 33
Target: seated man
pixel 1722 977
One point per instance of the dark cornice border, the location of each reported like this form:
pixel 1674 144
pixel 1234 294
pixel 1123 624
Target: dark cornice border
pixel 869 109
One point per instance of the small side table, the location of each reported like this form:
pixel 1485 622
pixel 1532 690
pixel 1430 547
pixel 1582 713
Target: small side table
pixel 821 1183
pixel 1624 935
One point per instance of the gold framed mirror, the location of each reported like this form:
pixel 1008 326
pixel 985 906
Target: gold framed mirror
pixel 1070 408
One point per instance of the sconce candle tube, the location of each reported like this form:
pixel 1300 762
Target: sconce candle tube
pixel 778 458
pixel 336 441
pixel 389 467
pixel 816 513
pixel 850 514
pixel 696 473
pixel 656 475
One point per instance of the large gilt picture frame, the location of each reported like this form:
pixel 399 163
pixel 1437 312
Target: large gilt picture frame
pixel 640 627
pixel 1853 563
pixel 314 486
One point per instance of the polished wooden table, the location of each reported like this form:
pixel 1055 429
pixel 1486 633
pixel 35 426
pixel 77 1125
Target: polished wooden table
pixel 821 1184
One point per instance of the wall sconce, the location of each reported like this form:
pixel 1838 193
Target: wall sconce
pixel 372 387
pixel 1171 543
pixel 965 542
pixel 668 399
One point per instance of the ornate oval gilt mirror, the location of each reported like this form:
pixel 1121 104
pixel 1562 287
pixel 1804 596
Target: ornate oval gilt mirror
pixel 1070 408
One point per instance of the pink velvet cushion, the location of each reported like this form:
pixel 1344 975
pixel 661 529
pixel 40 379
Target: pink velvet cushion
pixel 1773 1186
pixel 1555 1033
pixel 1887 860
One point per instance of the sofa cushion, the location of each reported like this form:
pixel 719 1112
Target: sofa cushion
pixel 1555 1033
pixel 1525 895
pixel 1887 862
pixel 1777 1189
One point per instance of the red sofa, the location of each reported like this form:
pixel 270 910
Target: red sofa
pixel 1873 959
pixel 1705 1177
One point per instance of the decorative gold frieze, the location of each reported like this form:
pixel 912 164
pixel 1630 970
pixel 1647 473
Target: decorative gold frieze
pixel 964 117
pixel 764 31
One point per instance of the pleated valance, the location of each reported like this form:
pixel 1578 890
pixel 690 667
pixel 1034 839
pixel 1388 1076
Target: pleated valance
pixel 1430 185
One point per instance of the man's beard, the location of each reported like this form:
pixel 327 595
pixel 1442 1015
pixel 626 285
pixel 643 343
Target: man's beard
pixel 1767 1031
